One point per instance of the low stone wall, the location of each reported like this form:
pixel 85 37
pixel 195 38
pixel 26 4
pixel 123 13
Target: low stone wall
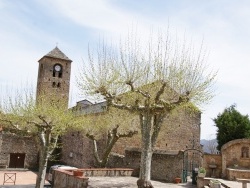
pixel 66 179
pixel 212 159
pixel 233 174
pixel 201 182
pixel 165 166
pixel 107 172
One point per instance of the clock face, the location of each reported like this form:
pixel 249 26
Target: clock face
pixel 57 68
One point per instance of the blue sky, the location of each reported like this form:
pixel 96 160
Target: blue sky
pixel 29 29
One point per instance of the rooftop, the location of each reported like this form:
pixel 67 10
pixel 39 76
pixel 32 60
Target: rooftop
pixel 57 53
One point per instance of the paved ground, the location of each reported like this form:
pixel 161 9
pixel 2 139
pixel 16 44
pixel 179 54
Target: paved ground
pixel 27 179
pixel 24 179
pixel 130 182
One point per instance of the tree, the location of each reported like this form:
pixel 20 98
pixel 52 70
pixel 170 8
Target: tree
pixel 212 146
pixel 113 124
pixel 231 125
pixel 150 78
pixel 113 136
pixel 45 120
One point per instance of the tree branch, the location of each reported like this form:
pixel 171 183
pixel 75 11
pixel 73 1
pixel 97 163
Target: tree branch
pixel 12 124
pixel 96 154
pixel 160 92
pixel 144 94
pixel 44 121
pixel 129 134
pixel 157 124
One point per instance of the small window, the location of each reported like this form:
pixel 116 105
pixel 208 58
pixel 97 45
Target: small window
pixel 58 84
pixel 245 152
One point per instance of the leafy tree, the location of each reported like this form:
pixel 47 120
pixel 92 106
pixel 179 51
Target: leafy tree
pixel 150 78
pixel 231 125
pixel 45 120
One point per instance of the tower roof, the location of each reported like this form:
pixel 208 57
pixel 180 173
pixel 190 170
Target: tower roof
pixel 57 53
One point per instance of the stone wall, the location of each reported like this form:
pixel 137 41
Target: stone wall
pixel 235 154
pixel 232 174
pixel 212 160
pixel 176 134
pixel 77 150
pixel 165 166
pixel 11 143
pixel 65 179
pixel 180 131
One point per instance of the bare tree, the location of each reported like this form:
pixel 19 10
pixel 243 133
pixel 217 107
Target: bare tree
pixel 150 78
pixel 212 146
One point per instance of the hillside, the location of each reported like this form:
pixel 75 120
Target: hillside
pixel 209 146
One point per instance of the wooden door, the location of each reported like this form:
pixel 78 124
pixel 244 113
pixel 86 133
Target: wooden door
pixel 17 160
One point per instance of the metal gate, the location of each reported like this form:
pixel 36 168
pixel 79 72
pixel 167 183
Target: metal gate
pixel 192 159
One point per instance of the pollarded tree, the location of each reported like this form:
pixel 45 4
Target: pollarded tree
pixel 45 120
pixel 231 125
pixel 151 79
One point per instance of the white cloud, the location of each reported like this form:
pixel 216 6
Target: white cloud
pixel 28 32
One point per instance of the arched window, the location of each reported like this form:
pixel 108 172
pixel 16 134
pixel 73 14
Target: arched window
pixel 245 152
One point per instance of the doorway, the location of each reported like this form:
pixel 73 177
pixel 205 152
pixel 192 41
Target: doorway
pixel 17 160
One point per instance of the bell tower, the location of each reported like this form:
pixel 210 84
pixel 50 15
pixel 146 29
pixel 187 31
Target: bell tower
pixel 54 75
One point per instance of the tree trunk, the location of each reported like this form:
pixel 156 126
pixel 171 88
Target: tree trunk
pixel 44 142
pixel 146 152
pixel 43 160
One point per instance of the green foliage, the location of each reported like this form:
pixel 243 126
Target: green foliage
pixel 24 113
pixel 231 125
pixel 45 118
pixel 202 170
pixel 99 124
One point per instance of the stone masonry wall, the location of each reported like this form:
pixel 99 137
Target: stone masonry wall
pixel 212 159
pixel 65 179
pixel 166 165
pixel 236 154
pixel 16 144
pixel 77 150
pixel 177 133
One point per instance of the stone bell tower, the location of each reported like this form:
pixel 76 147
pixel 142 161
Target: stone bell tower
pixel 54 75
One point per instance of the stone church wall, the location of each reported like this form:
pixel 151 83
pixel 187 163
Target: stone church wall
pixel 11 143
pixel 77 150
pixel 178 132
pixel 165 166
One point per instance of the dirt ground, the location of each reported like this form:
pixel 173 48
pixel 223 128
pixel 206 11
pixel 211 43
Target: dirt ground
pixel 27 179
pixel 18 177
